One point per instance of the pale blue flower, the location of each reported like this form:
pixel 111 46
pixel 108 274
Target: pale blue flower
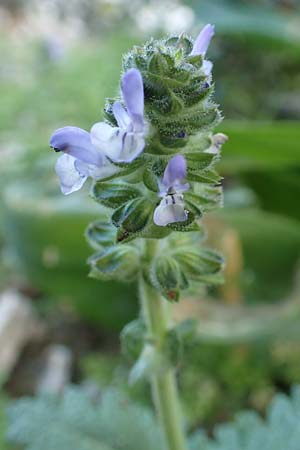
pixel 80 159
pixel 201 46
pixel 91 154
pixel 125 142
pixel 171 208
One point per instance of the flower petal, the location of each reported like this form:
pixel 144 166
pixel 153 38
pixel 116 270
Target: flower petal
pixel 70 178
pixel 121 115
pixel 101 135
pixel 133 94
pixel 77 143
pixel 207 67
pixel 97 173
pixel 117 144
pixel 170 210
pixel 203 40
pixel 132 145
pixel 217 140
pixel 175 171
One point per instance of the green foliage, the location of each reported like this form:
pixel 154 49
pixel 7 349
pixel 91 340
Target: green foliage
pixel 3 405
pixel 255 53
pixel 266 147
pixel 120 262
pixel 113 194
pixel 112 422
pixel 44 243
pixel 76 420
pixel 280 430
pixel 132 338
pixel 100 234
pixel 270 275
pixel 217 380
pixel 183 263
pixel 36 96
pixel 167 277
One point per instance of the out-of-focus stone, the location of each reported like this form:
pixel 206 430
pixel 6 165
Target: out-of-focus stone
pixel 18 326
pixel 56 373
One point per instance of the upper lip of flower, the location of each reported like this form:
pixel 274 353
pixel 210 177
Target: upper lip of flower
pixel 203 40
pixel 125 142
pixel 201 45
pixel 173 181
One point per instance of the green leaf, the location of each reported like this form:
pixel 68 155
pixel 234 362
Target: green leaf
pixel 192 120
pixel 132 338
pixel 280 430
pixel 195 60
pixel 180 42
pixel 167 276
pixel 198 264
pixel 208 176
pixel 160 64
pixel 198 161
pixel 119 261
pixel 152 173
pixel 77 420
pixel 267 146
pixel 180 336
pixel 100 234
pixel 205 199
pixel 134 215
pixel 191 224
pixel 114 194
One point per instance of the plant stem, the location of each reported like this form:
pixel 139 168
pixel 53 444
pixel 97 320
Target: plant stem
pixel 164 388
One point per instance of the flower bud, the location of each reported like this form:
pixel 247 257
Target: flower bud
pixel 167 276
pixel 100 234
pixel 121 262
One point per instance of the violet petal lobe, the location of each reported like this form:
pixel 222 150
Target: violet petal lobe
pixel 203 40
pixel 77 143
pixel 133 94
pixel 70 178
pixel 175 171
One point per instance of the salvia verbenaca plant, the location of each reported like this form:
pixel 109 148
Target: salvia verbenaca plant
pixel 152 162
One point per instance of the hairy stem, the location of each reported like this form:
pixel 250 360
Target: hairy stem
pixel 164 388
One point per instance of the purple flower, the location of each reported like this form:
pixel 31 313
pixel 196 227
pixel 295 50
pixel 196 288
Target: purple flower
pixel 171 208
pixel 201 45
pixel 80 159
pixel 125 142
pixel 203 40
pixel 90 154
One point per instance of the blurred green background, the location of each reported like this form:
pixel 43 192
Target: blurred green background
pixel 59 61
